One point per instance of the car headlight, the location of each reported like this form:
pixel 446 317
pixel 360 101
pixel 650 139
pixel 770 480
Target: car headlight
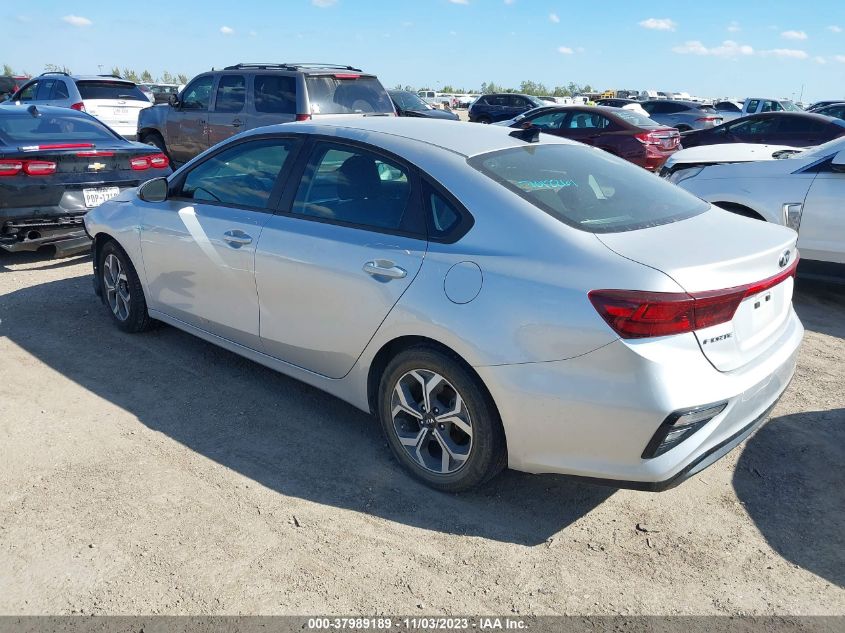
pixel 679 175
pixel 792 215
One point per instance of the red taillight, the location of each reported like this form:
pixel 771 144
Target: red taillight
pixel 159 161
pixel 78 106
pixel 41 148
pixel 139 163
pixel 10 167
pixel 638 314
pixel 662 138
pixel 303 117
pixel 346 76
pixel 647 138
pixel 39 167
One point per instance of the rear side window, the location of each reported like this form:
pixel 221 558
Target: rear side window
pixel 26 130
pixel 588 189
pixel 347 94
pixel 231 94
pixel 110 90
pixel 636 119
pixel 753 105
pixel 275 94
pixel 243 175
pixel 354 186
pixel 59 91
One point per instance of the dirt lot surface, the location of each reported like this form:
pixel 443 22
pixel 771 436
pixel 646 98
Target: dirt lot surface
pixel 156 473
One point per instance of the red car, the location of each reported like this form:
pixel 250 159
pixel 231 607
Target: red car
pixel 623 133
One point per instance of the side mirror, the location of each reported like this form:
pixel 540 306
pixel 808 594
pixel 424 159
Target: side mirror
pixel 154 190
pixel 838 162
pixel 173 100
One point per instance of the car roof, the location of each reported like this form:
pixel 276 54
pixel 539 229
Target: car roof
pixel 806 115
pixel 473 139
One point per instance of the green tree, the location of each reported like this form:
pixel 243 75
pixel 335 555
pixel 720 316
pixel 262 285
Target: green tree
pixel 53 68
pixel 129 74
pixel 115 71
pixel 146 77
pixel 7 70
pixel 181 78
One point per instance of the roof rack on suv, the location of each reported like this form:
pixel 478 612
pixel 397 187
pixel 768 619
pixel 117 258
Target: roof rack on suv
pixel 289 66
pixel 55 72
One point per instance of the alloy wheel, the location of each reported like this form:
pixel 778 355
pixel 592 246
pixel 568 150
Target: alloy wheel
pixel 431 421
pixel 117 287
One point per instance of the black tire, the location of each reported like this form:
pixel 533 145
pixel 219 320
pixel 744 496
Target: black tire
pixel 485 120
pixel 130 315
pixel 683 128
pixel 155 139
pixel 487 452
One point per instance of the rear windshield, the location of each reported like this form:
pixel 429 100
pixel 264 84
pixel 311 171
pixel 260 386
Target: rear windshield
pixel 26 129
pixel 110 90
pixel 334 94
pixel 635 119
pixel 588 188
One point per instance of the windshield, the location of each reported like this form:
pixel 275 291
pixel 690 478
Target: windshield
pixel 820 151
pixel 790 107
pixel 588 189
pixel 25 128
pixel 110 90
pixel 409 101
pixel 347 94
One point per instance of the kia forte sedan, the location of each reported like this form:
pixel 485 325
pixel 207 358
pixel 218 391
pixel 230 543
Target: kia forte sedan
pixel 495 297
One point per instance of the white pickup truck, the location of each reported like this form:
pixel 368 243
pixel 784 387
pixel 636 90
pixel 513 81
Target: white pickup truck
pixel 755 105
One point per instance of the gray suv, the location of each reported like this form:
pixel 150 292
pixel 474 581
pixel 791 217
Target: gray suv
pixel 221 103
pixel 682 115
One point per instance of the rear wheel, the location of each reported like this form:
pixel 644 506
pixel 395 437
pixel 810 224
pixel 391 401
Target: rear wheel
pixel 440 422
pixel 155 140
pixel 122 292
pixel 683 128
pixel 485 120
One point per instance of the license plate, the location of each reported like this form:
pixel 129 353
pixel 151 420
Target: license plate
pixel 120 110
pixel 96 197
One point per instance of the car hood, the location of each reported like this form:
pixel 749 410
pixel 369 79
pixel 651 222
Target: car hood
pixel 726 153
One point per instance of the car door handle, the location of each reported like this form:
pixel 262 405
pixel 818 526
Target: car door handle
pixel 384 268
pixel 237 123
pixel 236 238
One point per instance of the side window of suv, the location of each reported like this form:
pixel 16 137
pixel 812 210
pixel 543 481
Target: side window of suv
pixel 27 93
pixel 275 94
pixel 45 87
pixel 231 94
pixel 752 106
pixel 242 175
pixel 59 91
pixel 198 94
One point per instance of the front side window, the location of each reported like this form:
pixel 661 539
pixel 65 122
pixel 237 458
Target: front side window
pixel 231 94
pixel 243 175
pixel 588 189
pixel 28 92
pixel 275 94
pixel 354 186
pixel 198 94
pixel 755 127
pixel 753 105
pixel 549 120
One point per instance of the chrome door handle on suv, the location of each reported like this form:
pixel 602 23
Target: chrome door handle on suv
pixel 237 123
pixel 236 238
pixel 384 268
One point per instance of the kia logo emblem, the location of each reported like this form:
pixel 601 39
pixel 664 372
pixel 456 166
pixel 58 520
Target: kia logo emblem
pixel 784 259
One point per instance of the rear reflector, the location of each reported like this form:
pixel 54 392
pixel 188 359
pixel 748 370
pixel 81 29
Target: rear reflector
pixel 78 106
pixel 638 314
pixel 10 167
pixel 155 161
pixel 679 426
pixel 39 167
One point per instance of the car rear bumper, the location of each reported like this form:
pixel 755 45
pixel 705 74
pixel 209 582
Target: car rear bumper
pixel 592 416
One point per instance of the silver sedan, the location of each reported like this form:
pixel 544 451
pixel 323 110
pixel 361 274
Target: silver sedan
pixel 495 297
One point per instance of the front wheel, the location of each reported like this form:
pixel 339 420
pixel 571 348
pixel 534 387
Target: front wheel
pixel 440 422
pixel 485 120
pixel 122 292
pixel 154 139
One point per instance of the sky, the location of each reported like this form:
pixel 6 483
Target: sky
pixel 712 48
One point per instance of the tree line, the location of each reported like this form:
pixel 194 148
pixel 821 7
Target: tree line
pixel 145 76
pixel 537 89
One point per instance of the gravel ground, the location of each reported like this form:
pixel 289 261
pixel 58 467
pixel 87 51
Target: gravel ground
pixel 157 473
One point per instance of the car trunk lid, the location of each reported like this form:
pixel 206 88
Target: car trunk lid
pixel 751 262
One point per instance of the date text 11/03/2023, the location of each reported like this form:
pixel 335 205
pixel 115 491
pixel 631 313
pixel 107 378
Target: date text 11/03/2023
pixel 417 623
